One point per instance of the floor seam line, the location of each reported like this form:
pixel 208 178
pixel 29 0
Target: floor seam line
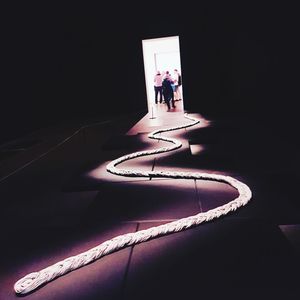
pixel 127 267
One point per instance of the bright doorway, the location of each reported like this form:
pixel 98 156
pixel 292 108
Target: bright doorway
pixel 160 54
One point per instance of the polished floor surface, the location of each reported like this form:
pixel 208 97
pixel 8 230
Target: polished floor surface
pixel 60 201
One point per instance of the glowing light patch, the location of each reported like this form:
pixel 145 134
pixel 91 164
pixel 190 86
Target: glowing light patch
pixel 196 149
pixel 33 280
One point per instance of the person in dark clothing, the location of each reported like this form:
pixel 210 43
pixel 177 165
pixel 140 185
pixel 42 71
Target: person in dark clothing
pixel 168 91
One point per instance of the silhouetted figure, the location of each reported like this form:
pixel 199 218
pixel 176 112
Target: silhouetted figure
pixel 168 75
pixel 168 90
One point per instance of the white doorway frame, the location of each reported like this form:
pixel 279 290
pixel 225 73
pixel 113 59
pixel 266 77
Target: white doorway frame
pixel 151 49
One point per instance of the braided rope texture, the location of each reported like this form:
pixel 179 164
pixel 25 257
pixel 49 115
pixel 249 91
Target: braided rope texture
pixel 33 280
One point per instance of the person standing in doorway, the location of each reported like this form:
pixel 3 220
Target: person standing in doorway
pixel 178 82
pixel 158 86
pixel 169 77
pixel 168 90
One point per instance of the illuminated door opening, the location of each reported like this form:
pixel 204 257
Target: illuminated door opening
pixel 161 54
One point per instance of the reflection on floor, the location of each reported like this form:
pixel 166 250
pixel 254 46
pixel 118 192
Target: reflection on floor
pixel 66 203
pixel 158 110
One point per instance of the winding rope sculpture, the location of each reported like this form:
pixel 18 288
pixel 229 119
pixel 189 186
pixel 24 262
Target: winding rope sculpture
pixel 33 280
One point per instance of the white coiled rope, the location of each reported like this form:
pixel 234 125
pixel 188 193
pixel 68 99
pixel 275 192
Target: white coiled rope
pixel 33 280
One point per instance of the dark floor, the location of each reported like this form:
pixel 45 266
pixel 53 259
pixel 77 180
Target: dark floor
pixel 58 200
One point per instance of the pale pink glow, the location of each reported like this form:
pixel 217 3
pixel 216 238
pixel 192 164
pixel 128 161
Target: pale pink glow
pixel 163 120
pixel 103 276
pixel 33 280
pixel 141 130
pixel 98 172
pixel 162 167
pixel 196 149
pixel 101 173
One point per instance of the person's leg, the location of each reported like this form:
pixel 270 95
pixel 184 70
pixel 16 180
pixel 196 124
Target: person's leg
pixel 179 93
pixel 156 93
pixel 176 93
pixel 172 99
pixel 160 94
pixel 167 98
pixel 168 103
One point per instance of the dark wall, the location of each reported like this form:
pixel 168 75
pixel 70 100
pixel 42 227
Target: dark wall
pixel 67 61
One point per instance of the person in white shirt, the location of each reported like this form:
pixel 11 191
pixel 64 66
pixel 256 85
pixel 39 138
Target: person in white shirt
pixel 158 86
pixel 177 81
